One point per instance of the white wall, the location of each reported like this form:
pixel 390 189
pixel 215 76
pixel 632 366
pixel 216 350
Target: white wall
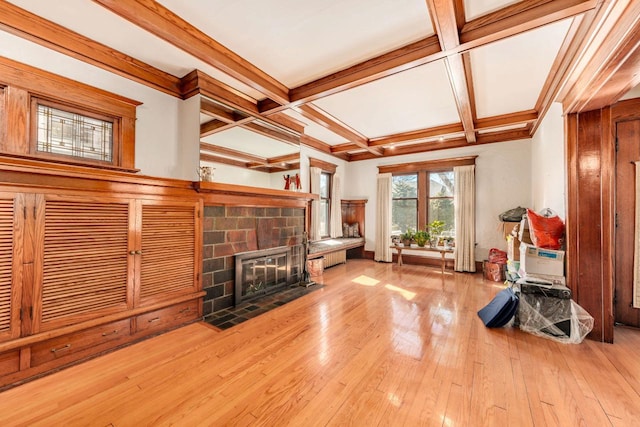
pixel 160 151
pixel 228 174
pixel 503 173
pixel 306 153
pixel 548 183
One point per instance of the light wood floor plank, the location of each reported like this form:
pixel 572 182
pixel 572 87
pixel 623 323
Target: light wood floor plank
pixel 378 345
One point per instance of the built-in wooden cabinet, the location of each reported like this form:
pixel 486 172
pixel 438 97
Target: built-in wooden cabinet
pixel 91 266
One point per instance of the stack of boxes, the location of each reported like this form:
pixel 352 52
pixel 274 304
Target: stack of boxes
pixel 524 260
pixel 539 279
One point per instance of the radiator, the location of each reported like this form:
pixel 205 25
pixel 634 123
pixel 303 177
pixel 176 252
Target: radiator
pixel 334 258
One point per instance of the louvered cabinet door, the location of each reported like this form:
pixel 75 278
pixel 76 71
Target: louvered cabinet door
pixel 11 231
pixel 169 245
pixel 84 270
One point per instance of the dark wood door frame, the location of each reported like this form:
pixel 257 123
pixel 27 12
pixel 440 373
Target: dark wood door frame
pixel 590 139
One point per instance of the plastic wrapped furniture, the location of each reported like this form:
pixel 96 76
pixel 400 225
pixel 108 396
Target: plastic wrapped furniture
pixel 558 319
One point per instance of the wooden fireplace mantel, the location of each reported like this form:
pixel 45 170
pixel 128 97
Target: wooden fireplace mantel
pixel 243 195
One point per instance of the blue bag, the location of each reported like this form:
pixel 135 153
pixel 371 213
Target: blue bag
pixel 500 310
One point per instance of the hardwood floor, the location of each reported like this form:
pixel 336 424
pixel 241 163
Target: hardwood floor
pixel 378 345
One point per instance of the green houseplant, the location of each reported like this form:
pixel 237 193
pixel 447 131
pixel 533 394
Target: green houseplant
pixel 435 227
pixel 407 237
pixel 421 237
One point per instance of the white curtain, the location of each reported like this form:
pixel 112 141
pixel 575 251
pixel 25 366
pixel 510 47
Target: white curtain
pixel 314 233
pixel 636 250
pixel 464 199
pixel 383 218
pixel 336 207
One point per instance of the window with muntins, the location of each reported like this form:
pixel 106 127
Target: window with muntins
pixel 325 203
pixel 66 132
pixel 440 202
pixel 404 203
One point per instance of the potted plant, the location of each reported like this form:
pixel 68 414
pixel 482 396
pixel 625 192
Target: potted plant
pixel 435 227
pixel 421 237
pixel 407 237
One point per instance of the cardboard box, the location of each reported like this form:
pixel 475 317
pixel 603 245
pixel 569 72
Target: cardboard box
pixel 523 231
pixel 543 262
pixel 508 227
pixel 513 248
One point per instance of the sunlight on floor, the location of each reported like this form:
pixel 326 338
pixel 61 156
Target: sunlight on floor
pixel 394 399
pixel 366 281
pixel 408 295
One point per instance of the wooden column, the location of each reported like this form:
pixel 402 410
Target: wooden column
pixel 590 163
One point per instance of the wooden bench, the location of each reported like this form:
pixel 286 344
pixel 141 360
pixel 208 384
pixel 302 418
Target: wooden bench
pixel 336 251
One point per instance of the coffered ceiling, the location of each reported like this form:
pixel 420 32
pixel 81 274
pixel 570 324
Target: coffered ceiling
pixel 359 79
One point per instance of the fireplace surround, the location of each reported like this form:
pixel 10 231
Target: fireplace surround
pixel 261 272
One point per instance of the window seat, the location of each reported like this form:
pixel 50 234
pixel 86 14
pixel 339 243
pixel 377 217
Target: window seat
pixel 334 251
pixel 323 247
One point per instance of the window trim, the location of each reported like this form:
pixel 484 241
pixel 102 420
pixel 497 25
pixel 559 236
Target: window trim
pixel 116 151
pixel 21 83
pixel 423 169
pixel 329 169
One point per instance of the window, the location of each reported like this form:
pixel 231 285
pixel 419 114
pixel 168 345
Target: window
pixel 422 193
pixel 440 203
pixel 325 203
pixel 61 120
pixel 67 132
pixel 404 203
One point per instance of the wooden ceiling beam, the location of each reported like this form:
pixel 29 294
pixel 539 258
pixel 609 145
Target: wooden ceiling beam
pixel 401 59
pixel 346 147
pixel 240 155
pixel 198 82
pixel 214 126
pixel 287 121
pixel 510 119
pixel 445 20
pixel 494 137
pixel 458 79
pixel 272 133
pixel 286 158
pixel 163 23
pixel 314 143
pixel 217 111
pixel 322 118
pixel 224 160
pixel 245 109
pixel 610 64
pixel 417 135
pixel 32 27
pixel 520 17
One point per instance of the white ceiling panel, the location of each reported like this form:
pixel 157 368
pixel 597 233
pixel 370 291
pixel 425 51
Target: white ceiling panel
pixel 508 75
pixel 97 23
pixel 250 142
pixel 297 41
pixel 476 8
pixel 415 99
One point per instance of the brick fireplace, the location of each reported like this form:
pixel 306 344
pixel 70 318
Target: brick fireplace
pixel 229 230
